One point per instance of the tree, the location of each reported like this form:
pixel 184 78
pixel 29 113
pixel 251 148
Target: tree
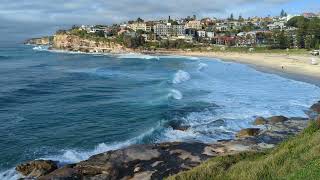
pixel 240 18
pixel 140 20
pixel 231 17
pixel 283 41
pixel 133 41
pixel 283 13
pixel 99 34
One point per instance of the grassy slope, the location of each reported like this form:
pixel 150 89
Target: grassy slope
pixel 297 158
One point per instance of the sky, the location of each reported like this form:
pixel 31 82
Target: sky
pixel 22 18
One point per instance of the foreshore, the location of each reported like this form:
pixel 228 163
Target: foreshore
pixel 295 66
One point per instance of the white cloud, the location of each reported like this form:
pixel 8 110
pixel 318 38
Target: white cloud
pixel 86 11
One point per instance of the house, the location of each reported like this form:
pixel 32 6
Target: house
pixel 167 30
pixel 252 38
pixel 277 25
pixel 225 40
pixel 210 35
pixel 193 25
pixel 309 15
pixel 140 26
pixel 191 33
pixel 201 34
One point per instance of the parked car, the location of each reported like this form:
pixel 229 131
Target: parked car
pixel 315 52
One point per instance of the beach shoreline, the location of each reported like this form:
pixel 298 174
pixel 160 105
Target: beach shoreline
pixel 296 67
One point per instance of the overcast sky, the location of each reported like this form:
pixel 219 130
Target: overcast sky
pixel 33 17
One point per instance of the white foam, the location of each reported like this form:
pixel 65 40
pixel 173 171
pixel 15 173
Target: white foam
pixel 10 174
pixel 137 56
pixel 202 66
pixel 41 48
pixel 180 77
pixel 74 156
pixel 181 57
pixel 175 94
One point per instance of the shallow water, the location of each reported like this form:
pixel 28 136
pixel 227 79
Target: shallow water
pixel 68 106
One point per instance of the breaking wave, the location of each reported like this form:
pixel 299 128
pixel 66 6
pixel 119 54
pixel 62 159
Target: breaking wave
pixel 180 77
pixel 137 56
pixel 202 66
pixel 74 156
pixel 175 94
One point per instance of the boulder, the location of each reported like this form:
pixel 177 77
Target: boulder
pixel 177 125
pixel 260 121
pixel 249 132
pixel 66 172
pixel 316 108
pixel 277 119
pixel 37 168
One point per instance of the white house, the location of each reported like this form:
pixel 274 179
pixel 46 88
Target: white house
pixel 210 35
pixel 201 34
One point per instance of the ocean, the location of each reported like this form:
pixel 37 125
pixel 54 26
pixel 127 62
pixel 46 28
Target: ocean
pixel 68 106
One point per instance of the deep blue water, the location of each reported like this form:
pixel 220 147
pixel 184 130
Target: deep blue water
pixel 68 106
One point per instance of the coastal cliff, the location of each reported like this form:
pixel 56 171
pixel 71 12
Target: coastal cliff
pixel 71 42
pixel 40 41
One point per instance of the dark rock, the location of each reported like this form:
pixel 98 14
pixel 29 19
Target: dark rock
pixel 277 119
pixel 316 107
pixel 248 132
pixel 66 172
pixel 155 161
pixel 260 121
pixel 37 168
pixel 177 125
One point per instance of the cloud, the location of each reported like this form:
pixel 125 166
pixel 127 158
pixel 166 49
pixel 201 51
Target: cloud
pixel 87 11
pixel 43 16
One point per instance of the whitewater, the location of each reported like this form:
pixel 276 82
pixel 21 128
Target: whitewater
pixel 69 106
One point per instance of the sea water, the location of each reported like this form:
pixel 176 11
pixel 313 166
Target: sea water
pixel 68 106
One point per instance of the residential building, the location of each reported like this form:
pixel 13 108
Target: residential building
pixel 225 40
pixel 193 25
pixel 277 25
pixel 309 15
pixel 210 35
pixel 140 26
pixel 252 38
pixel 169 30
pixel 201 34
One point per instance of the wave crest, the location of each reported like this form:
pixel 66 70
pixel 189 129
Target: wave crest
pixel 180 77
pixel 202 66
pixel 175 94
pixel 137 56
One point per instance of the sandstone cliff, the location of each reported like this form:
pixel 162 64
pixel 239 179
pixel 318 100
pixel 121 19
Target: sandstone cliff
pixel 75 43
pixel 39 41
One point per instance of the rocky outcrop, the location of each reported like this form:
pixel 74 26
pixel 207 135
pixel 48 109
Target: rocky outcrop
pixel 39 41
pixel 248 132
pixel 157 161
pixel 260 121
pixel 71 42
pixel 37 168
pixel 277 119
pixel 178 125
pixel 316 108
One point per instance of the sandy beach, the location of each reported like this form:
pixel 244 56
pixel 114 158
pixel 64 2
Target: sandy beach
pixel 295 66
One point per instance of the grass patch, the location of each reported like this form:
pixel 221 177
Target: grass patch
pixel 297 158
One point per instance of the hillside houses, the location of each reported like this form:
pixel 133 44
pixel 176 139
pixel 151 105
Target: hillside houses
pixel 249 32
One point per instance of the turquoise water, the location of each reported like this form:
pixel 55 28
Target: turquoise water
pixel 68 106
